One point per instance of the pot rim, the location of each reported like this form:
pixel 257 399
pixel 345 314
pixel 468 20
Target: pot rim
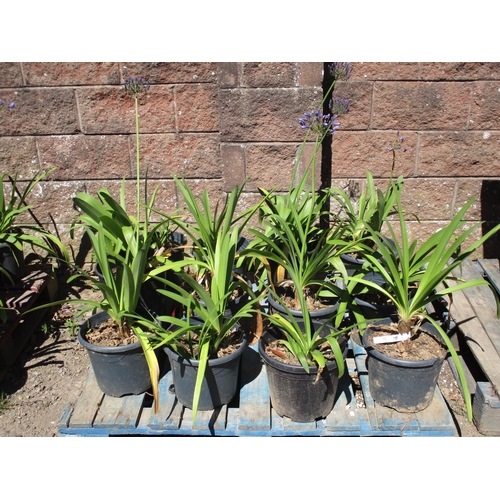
pixel 372 351
pixel 102 315
pixel 298 369
pixel 297 312
pixel 212 362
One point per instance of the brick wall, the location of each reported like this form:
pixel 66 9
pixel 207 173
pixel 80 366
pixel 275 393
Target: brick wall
pixel 220 123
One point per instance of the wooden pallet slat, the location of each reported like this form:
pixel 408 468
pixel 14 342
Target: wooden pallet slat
pixel 120 413
pixel 255 407
pixel 88 404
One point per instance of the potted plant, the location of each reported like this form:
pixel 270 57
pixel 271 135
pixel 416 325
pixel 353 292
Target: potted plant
pixel 214 295
pixel 299 256
pixel 304 360
pixel 205 345
pixel 415 275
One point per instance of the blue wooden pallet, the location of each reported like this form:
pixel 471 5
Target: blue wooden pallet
pixel 96 414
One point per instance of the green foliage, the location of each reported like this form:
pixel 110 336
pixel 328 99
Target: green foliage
pixel 209 281
pixel 405 265
pixel 205 324
pixel 373 208
pixel 303 339
pixel 16 234
pixel 4 401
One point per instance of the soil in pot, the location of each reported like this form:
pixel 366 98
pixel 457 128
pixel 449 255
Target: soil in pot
pixel 421 347
pixel 318 308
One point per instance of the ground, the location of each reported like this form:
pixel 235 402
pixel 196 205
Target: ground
pixel 51 372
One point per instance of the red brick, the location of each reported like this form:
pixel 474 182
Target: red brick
pixel 230 74
pixel 196 108
pixel 71 73
pixel 270 74
pixel 265 114
pixel 385 71
pixel 234 166
pixel 460 70
pixel 107 110
pixel 459 154
pixel 353 153
pixel 86 157
pixel 10 75
pixel 310 74
pixel 466 190
pixel 421 105
pixel 429 199
pixel 359 95
pixel 19 154
pixel 187 155
pixel 485 109
pixel 270 166
pixel 40 111
pixel 172 72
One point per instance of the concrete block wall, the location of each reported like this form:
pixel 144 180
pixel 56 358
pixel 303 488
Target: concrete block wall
pixel 218 124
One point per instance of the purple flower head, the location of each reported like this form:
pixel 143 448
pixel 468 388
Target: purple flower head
pixel 340 70
pixel 339 106
pixel 134 86
pixel 10 106
pixel 319 123
pixel 397 144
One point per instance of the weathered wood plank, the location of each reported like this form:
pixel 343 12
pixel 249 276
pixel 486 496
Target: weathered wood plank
pixel 486 409
pixel 255 402
pixel 123 413
pixel 478 339
pixel 492 271
pixel 483 303
pixel 170 411
pixel 88 404
pixel 346 418
pixel 213 420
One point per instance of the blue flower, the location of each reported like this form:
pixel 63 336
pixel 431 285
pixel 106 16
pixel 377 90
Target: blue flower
pixel 397 144
pixel 10 106
pixel 134 86
pixel 319 123
pixel 339 106
pixel 340 70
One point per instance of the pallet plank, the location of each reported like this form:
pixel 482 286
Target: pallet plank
pixel 88 404
pixel 477 338
pixel 482 301
pixel 170 411
pixel 119 413
pixel 255 406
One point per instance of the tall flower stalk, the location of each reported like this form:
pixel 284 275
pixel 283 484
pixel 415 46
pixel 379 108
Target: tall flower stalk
pixel 134 87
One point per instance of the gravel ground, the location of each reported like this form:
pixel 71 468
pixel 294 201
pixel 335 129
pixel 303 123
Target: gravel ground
pixel 51 372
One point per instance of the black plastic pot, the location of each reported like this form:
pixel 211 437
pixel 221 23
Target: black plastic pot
pixel 322 315
pixel 295 393
pixel 120 370
pixel 406 386
pixel 219 384
pixel 12 260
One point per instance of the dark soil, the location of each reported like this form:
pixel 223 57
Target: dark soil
pixel 420 347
